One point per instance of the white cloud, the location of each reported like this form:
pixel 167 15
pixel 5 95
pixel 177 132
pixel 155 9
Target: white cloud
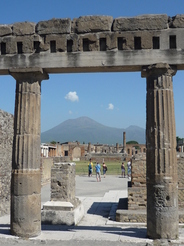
pixel 70 112
pixel 72 96
pixel 111 106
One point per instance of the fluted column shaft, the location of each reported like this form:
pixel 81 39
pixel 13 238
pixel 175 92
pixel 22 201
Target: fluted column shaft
pixel 161 163
pixel 26 178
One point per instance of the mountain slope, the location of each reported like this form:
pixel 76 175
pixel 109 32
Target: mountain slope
pixel 86 130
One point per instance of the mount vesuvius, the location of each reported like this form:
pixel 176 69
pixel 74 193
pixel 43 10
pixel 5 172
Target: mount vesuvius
pixel 85 130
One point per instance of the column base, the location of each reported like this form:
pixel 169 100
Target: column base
pixel 26 203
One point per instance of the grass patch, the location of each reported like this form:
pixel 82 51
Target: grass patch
pixel 113 167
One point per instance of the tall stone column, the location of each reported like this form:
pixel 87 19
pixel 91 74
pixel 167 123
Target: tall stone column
pixel 124 142
pixel 161 162
pixel 89 148
pixel 26 178
pixel 117 148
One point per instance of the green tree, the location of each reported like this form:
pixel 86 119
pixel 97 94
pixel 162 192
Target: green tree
pixel 53 142
pixel 132 142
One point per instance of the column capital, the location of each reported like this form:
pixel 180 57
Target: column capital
pixel 158 70
pixel 28 74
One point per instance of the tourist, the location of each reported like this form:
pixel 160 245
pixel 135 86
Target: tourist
pixel 104 169
pixel 98 174
pixel 123 170
pixel 90 168
pixel 129 169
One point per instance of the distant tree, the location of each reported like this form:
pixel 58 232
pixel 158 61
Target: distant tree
pixel 178 138
pixel 53 142
pixel 132 142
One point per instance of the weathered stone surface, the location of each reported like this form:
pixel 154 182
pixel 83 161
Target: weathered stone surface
pixel 92 42
pixel 6 142
pixel 11 44
pixel 26 182
pixel 161 163
pixel 54 216
pixel 75 39
pixel 5 30
pixel 63 183
pixel 177 22
pixel 23 28
pixel 54 26
pixel 60 41
pixel 143 22
pixel 86 24
pixel 26 219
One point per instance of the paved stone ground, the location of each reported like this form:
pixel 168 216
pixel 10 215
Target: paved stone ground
pixel 100 201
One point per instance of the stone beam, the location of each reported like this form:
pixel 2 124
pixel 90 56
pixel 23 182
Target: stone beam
pixel 161 163
pixel 26 178
pixel 96 61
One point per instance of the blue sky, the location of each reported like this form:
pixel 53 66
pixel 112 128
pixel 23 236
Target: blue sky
pixel 113 99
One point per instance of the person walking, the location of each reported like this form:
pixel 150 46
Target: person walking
pixel 90 168
pixel 98 174
pixel 123 170
pixel 129 169
pixel 104 169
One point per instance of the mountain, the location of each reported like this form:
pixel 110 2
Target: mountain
pixel 84 129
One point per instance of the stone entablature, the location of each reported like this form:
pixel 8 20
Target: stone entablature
pixel 34 43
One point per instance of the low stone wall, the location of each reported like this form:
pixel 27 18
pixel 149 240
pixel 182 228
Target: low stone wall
pixel 137 192
pixel 63 183
pixel 6 143
pixel 180 161
pixel 138 216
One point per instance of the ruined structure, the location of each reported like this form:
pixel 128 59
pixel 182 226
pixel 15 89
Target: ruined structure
pixel 152 44
pixel 74 151
pixel 63 207
pixel 137 192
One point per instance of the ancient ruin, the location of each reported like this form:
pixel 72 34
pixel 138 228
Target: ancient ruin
pixel 63 207
pixel 151 44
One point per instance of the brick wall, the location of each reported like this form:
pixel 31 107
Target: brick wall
pixel 137 192
pixel 180 161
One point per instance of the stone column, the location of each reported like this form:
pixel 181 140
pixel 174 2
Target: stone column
pixel 124 142
pixel 117 148
pixel 26 178
pixel 161 163
pixel 89 148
